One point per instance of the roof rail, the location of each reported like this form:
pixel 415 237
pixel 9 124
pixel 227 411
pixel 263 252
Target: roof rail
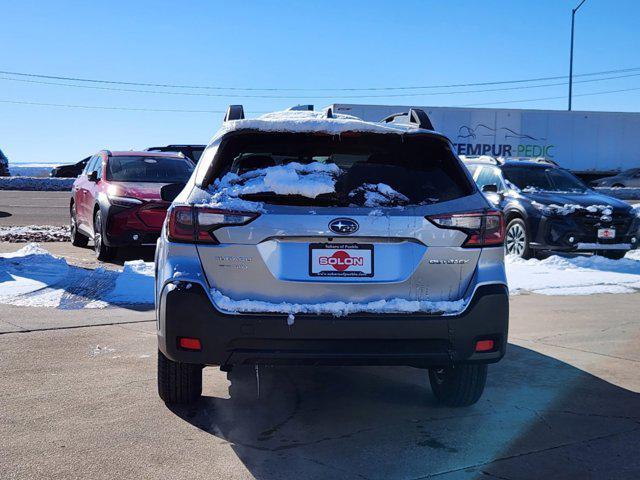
pixel 533 159
pixel 482 159
pixel 304 108
pixel 234 112
pixel 415 116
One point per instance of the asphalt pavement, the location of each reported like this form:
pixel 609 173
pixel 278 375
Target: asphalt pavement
pixel 80 402
pixel 20 208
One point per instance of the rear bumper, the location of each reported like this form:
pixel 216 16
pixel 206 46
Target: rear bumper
pixel 556 233
pixel 133 238
pixel 364 339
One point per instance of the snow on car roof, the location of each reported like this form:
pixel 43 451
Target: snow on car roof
pixel 314 122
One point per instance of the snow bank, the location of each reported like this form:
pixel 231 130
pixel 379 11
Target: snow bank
pixel 135 284
pixel 34 233
pixel 574 276
pixel 338 309
pixel 35 183
pixel 30 169
pixel 33 277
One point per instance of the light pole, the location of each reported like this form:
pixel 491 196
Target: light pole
pixel 573 20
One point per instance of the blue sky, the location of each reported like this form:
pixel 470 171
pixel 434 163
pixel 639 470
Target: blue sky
pixel 284 44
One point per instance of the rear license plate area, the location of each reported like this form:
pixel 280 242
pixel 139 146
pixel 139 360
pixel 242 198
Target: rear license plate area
pixel 606 233
pixel 340 260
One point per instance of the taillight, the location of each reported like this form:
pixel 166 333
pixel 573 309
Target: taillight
pixel 483 229
pixel 196 224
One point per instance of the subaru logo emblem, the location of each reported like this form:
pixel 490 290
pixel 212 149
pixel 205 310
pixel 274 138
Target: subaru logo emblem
pixel 343 226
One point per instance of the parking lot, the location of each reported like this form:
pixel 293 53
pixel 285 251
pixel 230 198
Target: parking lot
pixel 79 401
pixel 34 208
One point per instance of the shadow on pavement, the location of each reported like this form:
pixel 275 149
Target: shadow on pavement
pixel 538 418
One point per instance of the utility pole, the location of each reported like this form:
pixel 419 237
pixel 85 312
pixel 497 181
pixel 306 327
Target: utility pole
pixel 573 21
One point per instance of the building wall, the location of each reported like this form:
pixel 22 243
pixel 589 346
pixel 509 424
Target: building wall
pixel 585 142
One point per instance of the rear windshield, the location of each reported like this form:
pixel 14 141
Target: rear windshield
pixel 358 170
pixel 148 169
pixel 539 178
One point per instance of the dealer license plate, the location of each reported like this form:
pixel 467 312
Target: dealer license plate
pixel 340 260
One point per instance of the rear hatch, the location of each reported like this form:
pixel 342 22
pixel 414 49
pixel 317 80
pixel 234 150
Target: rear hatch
pixel 337 219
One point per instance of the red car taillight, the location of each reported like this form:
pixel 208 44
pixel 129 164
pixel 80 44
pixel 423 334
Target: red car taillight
pixel 483 229
pixel 196 224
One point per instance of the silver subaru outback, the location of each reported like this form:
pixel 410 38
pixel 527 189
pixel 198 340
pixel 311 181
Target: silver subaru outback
pixel 310 238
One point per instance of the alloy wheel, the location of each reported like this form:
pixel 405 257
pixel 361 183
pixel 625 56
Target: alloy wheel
pixel 97 234
pixel 516 240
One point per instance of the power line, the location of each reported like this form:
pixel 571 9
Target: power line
pixel 327 97
pixel 549 98
pixel 99 107
pixel 205 87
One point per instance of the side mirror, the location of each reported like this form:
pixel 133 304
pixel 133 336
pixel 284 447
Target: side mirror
pixel 168 193
pixel 93 176
pixel 490 188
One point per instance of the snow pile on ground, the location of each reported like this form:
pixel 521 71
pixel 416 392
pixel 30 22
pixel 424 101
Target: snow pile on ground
pixel 134 283
pixel 36 183
pixel 30 169
pixel 308 180
pixel 378 195
pixel 338 309
pixel 34 233
pixel 33 277
pixel 574 276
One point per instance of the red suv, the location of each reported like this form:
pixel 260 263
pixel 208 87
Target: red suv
pixel 116 199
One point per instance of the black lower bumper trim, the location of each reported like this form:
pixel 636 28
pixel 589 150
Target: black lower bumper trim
pixel 362 339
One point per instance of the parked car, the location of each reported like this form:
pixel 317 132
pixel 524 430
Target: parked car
pixel 69 171
pixel 116 200
pixel 628 178
pixel 547 208
pixel 311 238
pixel 4 165
pixel 192 151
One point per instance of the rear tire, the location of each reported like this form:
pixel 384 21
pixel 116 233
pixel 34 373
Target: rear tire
pixel 103 252
pixel 459 385
pixel 77 238
pixel 516 240
pixel 178 383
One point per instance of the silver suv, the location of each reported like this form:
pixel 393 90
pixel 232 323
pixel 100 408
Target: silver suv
pixel 312 238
